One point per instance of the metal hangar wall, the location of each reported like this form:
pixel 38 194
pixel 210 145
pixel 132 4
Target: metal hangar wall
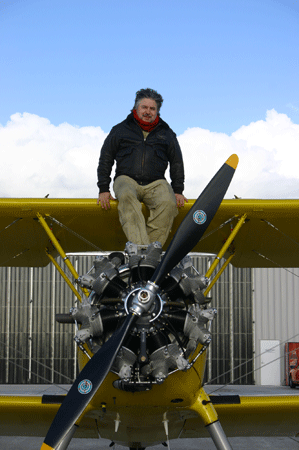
pixel 276 321
pixel 36 349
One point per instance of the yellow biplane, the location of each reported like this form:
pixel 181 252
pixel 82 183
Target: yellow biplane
pixel 144 319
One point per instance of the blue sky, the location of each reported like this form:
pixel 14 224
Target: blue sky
pixel 220 65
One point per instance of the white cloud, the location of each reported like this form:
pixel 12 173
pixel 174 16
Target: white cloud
pixel 39 158
pixel 268 155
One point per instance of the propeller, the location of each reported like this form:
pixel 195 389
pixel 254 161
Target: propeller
pixel 85 386
pixel 93 374
pixel 197 220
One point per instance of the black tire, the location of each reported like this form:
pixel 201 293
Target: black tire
pixel 291 382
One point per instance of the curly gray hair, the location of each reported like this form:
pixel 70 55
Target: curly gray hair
pixel 148 93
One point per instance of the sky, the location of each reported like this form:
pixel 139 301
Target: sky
pixel 227 70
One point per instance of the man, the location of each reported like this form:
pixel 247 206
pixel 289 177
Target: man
pixel 143 145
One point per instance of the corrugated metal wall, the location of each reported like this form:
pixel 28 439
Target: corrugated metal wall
pixel 35 349
pixel 231 351
pixel 276 309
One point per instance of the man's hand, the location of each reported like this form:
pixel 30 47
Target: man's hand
pixel 104 199
pixel 180 200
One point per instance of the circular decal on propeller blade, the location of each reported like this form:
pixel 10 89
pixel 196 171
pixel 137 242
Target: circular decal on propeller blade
pixel 199 217
pixel 85 386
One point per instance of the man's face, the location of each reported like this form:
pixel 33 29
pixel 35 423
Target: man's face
pixel 147 110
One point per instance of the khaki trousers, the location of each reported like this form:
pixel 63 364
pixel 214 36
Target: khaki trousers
pixel 158 197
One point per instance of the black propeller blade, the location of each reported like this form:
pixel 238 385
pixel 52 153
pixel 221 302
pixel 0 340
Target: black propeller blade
pixel 93 374
pixel 85 386
pixel 197 220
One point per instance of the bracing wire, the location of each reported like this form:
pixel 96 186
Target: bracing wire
pixel 74 233
pixel 253 370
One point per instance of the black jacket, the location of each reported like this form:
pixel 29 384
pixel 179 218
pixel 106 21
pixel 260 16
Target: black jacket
pixel 144 160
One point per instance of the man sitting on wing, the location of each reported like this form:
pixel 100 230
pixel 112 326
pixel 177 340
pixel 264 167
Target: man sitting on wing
pixel 142 146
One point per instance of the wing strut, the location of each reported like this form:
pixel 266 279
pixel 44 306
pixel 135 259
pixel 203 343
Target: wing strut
pixel 218 274
pixel 66 279
pixel 60 250
pixel 222 252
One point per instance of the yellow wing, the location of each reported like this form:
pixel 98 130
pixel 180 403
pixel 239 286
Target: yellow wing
pixel 272 415
pixel 268 237
pixel 31 416
pixel 252 416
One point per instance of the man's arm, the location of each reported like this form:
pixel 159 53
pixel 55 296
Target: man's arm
pixel 177 171
pixel 106 162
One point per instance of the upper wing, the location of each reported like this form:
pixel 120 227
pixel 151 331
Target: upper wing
pixel 23 240
pixel 267 239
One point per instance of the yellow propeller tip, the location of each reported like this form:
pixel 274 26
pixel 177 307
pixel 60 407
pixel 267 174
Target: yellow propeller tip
pixel 46 447
pixel 233 161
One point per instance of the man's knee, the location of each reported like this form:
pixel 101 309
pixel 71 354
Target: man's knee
pixel 162 195
pixel 127 217
pixel 129 207
pixel 169 207
pixel 128 196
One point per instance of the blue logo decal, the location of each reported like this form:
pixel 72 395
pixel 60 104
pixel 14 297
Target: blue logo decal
pixel 85 386
pixel 199 217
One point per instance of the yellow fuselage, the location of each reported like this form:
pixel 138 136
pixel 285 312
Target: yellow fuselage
pixel 141 416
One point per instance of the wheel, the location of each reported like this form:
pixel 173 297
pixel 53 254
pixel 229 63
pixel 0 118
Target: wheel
pixel 291 382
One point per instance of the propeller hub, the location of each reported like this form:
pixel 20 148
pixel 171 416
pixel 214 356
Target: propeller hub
pixel 144 300
pixel 143 296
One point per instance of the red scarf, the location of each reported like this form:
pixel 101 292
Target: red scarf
pixel 146 126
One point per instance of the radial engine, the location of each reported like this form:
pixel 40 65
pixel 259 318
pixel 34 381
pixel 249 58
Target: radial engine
pixel 164 338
